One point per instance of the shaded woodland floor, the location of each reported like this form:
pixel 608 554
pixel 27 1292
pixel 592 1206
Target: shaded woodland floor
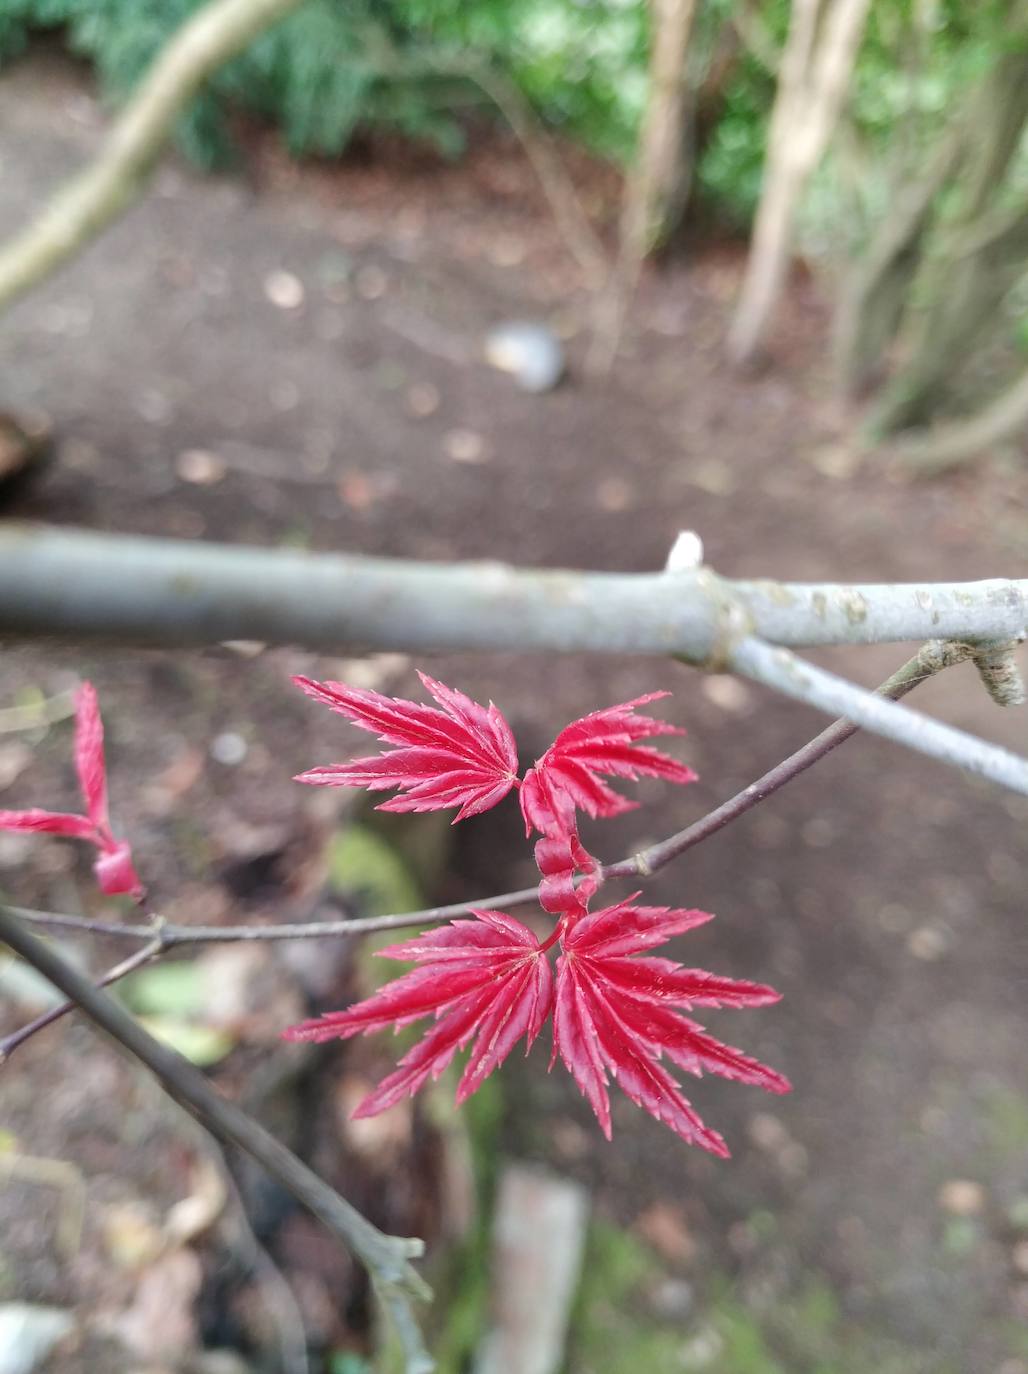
pixel 294 356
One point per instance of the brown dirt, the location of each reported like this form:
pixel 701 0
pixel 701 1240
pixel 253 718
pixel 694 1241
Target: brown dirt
pixel 883 894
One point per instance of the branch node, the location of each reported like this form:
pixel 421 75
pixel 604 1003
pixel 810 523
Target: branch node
pixel 999 671
pixel 641 864
pixel 733 624
pixel 937 654
pixel 162 937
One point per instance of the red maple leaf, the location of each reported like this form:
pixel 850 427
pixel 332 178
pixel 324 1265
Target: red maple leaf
pixel 486 980
pixel 619 1014
pixel 114 870
pixel 567 777
pixel 463 755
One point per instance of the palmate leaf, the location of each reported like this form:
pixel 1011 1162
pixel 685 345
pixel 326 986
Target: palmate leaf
pixel 568 777
pixel 486 981
pixel 616 1016
pixel 617 1010
pixel 463 755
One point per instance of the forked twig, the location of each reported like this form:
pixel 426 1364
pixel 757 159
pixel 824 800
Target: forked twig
pixel 387 1258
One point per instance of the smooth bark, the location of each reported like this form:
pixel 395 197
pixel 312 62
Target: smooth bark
pixel 814 76
pixel 656 187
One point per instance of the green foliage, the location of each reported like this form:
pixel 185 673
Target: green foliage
pixel 730 170
pixel 916 64
pixel 800 1331
pixel 364 866
pixel 337 66
pixel 612 1328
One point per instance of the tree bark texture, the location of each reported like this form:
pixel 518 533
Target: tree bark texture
pixel 979 255
pixel 814 76
pixel 656 188
pixel 1003 419
pixel 873 299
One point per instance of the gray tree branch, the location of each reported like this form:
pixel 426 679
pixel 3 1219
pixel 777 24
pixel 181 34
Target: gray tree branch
pixel 168 592
pixel 75 584
pixel 782 670
pixel 387 1258
pixel 83 207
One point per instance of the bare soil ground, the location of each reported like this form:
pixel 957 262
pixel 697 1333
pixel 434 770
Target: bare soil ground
pixel 294 356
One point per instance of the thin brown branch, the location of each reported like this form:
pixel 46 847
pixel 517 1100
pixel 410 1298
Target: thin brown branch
pixel 175 936
pixel 582 240
pixel 387 1258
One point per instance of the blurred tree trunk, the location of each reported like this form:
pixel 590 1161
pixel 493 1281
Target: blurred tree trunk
pixel 1002 419
pixel 657 188
pixel 981 253
pixel 815 70
pixel 873 300
pixel 709 99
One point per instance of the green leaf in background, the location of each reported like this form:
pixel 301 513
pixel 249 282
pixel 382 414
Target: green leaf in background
pixel 361 864
pixel 172 989
pixel 201 1045
pixel 170 1001
pixel 346 1362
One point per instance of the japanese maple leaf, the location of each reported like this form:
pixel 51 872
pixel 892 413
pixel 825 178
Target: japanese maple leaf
pixel 463 755
pixel 617 1013
pixel 568 776
pixel 486 980
pixel 114 870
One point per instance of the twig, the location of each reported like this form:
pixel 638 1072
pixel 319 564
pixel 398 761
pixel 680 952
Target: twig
pixel 134 961
pixel 931 659
pixel 83 207
pixel 170 592
pixel 574 224
pixel 387 1258
pixel 782 670
pixel 175 936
